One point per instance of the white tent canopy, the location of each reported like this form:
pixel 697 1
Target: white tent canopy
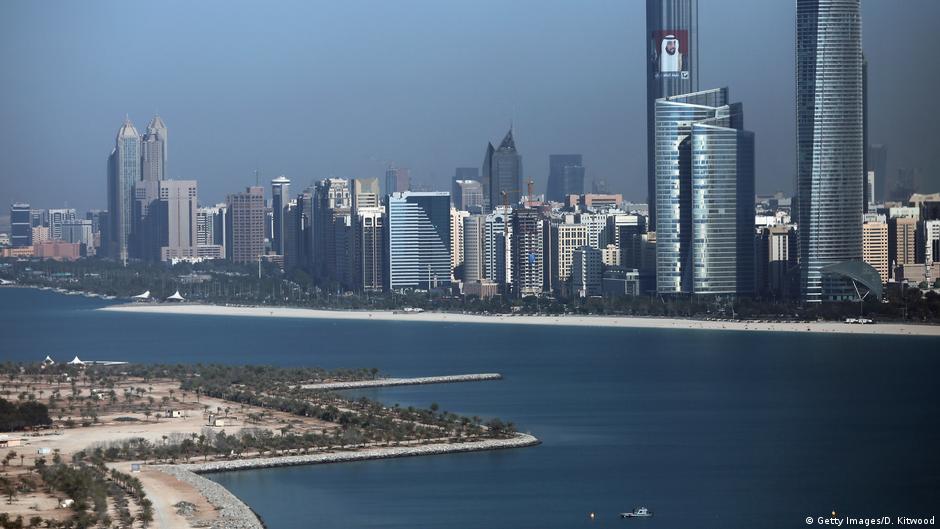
pixel 76 362
pixel 175 297
pixel 145 295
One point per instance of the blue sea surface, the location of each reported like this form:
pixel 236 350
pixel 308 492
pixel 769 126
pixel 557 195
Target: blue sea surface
pixel 706 428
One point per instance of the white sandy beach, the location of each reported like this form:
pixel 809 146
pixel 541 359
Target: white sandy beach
pixel 580 321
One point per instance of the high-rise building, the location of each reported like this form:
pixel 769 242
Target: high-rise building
pixel 245 225
pixel 567 237
pixel 418 240
pixel 174 215
pixel 153 151
pixel 331 201
pixel 79 231
pixel 902 241
pixel 456 238
pixel 565 176
pixel 671 69
pixel 142 243
pixel 123 173
pixel 468 195
pixel 705 196
pixel 473 248
pixel 368 270
pixel 397 180
pixel 497 238
pixel 463 174
pixel 502 173
pixel 626 231
pixel 365 193
pixel 931 243
pixel 875 246
pixel 58 217
pixel 878 163
pixel 829 133
pixel 280 196
pixel 21 230
pixel 587 268
pixel 527 253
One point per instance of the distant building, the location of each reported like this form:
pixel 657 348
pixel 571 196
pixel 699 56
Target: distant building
pixel 502 173
pixel 567 237
pixel 463 174
pixel 618 281
pixel 610 255
pixel 331 201
pixel 418 240
pixel 58 217
pixel 123 173
pixel 280 196
pixel 365 193
pixel 626 231
pixel 175 218
pixel 902 241
pixel 456 238
pixel 473 249
pixel 397 180
pixel 565 176
pixel 593 201
pixel 21 231
pixel 58 250
pixel 79 231
pixel 875 247
pixel 153 151
pixel 931 243
pixel 497 237
pixel 368 269
pixel 527 253
pixel 245 225
pixel 468 195
pixel 586 272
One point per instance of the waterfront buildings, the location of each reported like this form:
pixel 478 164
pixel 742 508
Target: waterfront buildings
pixel 175 220
pixel 587 272
pixel 332 203
pixel 245 225
pixel 497 237
pixel 565 176
pixel 56 218
pixel 280 196
pixel 21 229
pixel 567 237
pixel 368 267
pixel 123 173
pixel 829 131
pixel 456 239
pixel 671 69
pixel 902 241
pixel 473 248
pixel 418 240
pixel 705 196
pixel 931 242
pixel 502 173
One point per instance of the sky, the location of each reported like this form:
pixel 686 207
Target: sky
pixel 314 89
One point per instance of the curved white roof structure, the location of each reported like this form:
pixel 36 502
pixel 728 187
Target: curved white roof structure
pixel 176 297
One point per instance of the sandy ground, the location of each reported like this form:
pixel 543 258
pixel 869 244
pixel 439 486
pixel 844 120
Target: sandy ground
pixel 579 321
pixel 165 491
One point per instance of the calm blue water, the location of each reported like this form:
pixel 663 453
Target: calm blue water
pixel 707 429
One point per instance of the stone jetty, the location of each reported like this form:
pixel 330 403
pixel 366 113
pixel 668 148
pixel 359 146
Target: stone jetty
pixel 388 382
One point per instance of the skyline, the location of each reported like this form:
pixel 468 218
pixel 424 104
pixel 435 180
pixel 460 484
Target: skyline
pixel 438 123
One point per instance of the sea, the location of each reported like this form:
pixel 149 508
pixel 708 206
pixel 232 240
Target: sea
pixel 707 429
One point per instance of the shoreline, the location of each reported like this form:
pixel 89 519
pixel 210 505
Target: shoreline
pixel 628 322
pixel 234 513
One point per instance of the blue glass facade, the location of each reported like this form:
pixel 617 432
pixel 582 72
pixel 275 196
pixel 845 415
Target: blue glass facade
pixel 123 173
pixel 21 227
pixel 418 240
pixel 829 137
pixel 704 196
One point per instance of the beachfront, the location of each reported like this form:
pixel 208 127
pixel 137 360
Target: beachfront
pixel 569 320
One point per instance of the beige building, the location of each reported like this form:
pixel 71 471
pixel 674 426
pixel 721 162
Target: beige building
pixel 875 247
pixel 610 255
pixel 570 238
pixel 456 239
pixel 902 241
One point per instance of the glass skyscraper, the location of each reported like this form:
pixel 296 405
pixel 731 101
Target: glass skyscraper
pixel 705 190
pixel 418 240
pixel 280 196
pixel 123 173
pixel 671 68
pixel 502 173
pixel 829 137
pixel 565 176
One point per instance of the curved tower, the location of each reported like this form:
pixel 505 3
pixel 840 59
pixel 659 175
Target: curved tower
pixel 829 137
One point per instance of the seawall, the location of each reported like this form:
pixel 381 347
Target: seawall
pixel 417 381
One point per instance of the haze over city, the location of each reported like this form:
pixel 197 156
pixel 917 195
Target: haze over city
pixel 314 90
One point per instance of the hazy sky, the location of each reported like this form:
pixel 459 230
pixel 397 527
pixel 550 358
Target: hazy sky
pixel 316 89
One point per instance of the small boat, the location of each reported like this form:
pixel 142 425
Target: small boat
pixel 639 512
